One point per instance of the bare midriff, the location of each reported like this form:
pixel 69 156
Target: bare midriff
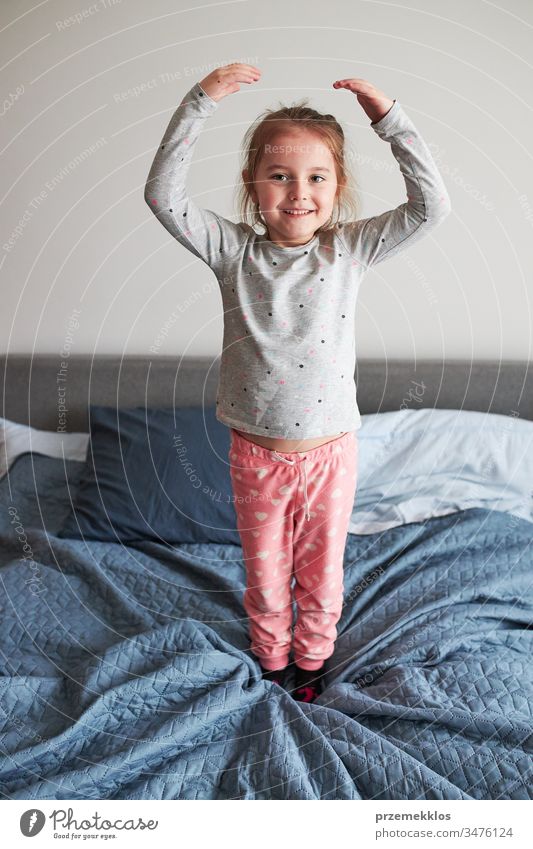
pixel 287 446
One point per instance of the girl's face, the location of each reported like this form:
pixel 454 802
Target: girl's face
pixel 296 172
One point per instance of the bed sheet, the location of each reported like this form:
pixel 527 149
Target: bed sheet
pixel 126 671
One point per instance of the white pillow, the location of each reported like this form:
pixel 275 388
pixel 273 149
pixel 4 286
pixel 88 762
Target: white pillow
pixel 17 439
pixel 416 464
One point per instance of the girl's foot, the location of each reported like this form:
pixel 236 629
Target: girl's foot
pixel 307 684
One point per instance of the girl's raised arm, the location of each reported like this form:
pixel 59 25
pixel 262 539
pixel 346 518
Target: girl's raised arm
pixel 203 232
pixel 372 240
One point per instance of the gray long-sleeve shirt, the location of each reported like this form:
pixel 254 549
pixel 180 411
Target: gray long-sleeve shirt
pixel 288 359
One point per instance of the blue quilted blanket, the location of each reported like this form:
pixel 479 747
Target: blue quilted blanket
pixel 126 671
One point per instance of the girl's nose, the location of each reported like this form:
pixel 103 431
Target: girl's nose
pixel 296 192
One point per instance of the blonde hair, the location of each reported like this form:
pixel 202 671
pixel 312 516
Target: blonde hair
pixel 300 115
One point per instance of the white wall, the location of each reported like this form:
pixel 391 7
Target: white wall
pixel 89 266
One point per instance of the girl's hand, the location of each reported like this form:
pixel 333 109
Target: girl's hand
pixel 225 80
pixel 375 103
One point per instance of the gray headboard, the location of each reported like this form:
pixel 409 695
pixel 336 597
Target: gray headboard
pixel 50 393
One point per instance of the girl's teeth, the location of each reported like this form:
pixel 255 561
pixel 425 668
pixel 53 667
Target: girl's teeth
pixel 297 213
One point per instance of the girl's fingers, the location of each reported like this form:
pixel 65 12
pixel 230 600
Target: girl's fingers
pixel 355 83
pixel 234 75
pixel 241 78
pixel 238 66
pixel 362 90
pixel 355 86
pixel 237 78
pixel 241 65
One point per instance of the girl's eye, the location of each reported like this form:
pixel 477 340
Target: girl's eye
pixel 320 177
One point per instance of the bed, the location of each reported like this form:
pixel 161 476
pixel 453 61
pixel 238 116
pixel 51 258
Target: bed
pixel 126 669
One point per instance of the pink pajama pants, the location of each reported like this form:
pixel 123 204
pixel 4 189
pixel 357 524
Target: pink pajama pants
pixel 293 511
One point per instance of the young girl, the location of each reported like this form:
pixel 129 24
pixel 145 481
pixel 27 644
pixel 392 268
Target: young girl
pixel 286 387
